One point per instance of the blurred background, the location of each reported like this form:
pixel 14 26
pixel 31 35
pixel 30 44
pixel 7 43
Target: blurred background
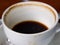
pixel 6 3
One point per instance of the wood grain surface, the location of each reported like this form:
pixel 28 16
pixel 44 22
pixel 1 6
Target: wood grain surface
pixel 6 3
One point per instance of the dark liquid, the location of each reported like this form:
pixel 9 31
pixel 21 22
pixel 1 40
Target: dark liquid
pixel 29 27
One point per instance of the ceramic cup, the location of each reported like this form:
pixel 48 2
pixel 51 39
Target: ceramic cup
pixel 30 10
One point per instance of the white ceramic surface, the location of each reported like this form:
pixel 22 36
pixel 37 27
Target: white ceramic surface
pixel 55 40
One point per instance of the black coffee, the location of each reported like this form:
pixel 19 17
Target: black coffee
pixel 29 27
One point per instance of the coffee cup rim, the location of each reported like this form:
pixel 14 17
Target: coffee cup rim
pixel 54 10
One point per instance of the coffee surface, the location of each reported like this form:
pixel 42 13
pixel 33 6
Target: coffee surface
pixel 29 27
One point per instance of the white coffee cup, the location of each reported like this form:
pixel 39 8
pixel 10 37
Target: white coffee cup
pixel 30 10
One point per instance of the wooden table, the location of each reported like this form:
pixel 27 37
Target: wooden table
pixel 6 3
